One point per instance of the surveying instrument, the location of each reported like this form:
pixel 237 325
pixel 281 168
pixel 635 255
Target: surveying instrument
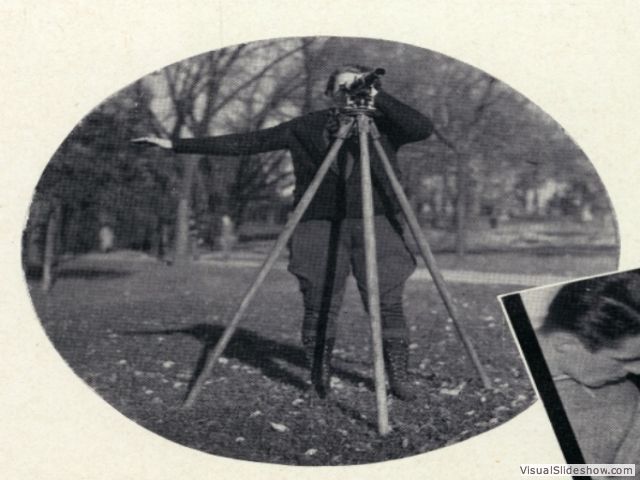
pixel 358 113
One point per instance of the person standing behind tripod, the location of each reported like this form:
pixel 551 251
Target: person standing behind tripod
pixel 328 243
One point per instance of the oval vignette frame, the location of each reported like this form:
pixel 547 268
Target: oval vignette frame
pixel 109 195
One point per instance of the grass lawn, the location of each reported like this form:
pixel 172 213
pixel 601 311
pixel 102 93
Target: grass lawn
pixel 135 331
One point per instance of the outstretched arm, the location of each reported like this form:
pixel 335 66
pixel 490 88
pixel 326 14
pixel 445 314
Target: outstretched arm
pixel 266 140
pixel 404 124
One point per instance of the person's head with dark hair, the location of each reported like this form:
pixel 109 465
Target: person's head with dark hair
pixel 594 328
pixel 600 311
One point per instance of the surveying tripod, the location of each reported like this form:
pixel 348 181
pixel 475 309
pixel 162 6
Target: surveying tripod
pixel 360 117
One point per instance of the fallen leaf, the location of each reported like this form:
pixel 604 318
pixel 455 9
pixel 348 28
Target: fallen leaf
pixel 453 392
pixel 279 427
pixel 311 451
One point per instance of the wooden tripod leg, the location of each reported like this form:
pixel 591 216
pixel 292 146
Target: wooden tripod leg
pixel 428 257
pixel 269 262
pixel 373 293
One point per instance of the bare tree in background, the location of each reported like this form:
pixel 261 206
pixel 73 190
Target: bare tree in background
pixel 198 91
pixel 244 179
pixel 462 104
pixel 494 150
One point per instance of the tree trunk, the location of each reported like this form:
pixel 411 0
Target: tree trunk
pixel 461 206
pixel 163 246
pixel 33 250
pixel 33 242
pixel 50 247
pixel 447 207
pixel 155 241
pixel 416 204
pixel 228 236
pixel 183 213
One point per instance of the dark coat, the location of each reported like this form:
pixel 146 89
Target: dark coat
pixel 306 140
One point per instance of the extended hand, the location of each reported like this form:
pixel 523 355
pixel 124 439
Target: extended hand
pixel 154 141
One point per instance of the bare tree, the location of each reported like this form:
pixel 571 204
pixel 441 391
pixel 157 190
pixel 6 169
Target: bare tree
pixel 462 99
pixel 199 91
pixel 51 245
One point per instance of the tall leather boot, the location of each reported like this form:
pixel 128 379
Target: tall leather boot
pixel 318 355
pixel 396 356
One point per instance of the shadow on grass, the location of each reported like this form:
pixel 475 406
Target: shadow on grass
pixel 251 349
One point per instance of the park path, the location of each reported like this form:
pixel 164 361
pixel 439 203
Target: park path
pixel 255 260
pixel 452 276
